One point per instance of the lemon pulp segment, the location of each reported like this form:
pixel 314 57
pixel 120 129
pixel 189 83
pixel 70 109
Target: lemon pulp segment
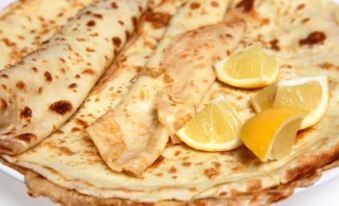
pixel 251 68
pixel 215 128
pixel 270 134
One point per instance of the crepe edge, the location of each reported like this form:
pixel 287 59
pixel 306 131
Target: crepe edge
pixel 303 175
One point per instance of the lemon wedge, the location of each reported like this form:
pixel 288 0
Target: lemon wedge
pixel 309 94
pixel 215 128
pixel 270 134
pixel 264 99
pixel 251 68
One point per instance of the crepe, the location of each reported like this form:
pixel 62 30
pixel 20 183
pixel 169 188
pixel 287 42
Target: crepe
pixel 24 25
pixel 188 66
pixel 153 26
pixel 62 72
pixel 132 127
pixel 38 186
pixel 303 34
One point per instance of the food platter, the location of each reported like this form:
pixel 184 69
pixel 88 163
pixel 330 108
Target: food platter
pixel 326 176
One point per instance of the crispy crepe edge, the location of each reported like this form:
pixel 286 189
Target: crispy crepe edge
pixel 302 175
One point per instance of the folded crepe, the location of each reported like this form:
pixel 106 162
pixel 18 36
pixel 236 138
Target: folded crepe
pixel 42 91
pixel 132 128
pixel 129 63
pixel 68 169
pixel 24 25
pixel 188 66
pixel 141 46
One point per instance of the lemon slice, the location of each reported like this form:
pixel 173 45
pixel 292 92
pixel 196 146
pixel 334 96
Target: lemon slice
pixel 215 128
pixel 310 94
pixel 270 134
pixel 251 68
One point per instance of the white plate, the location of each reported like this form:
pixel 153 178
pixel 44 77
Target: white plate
pixel 323 192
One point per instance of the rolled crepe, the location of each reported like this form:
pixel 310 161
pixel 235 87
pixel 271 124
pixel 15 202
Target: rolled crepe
pixel 40 93
pixel 24 25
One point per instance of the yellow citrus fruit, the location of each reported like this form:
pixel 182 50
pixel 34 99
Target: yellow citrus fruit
pixel 251 68
pixel 270 134
pixel 214 128
pixel 309 94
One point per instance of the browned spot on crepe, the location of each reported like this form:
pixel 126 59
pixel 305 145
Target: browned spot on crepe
pixel 91 23
pixel 246 5
pixel 3 105
pixel 5 148
pixel 99 16
pixel 88 71
pixel 73 86
pixel 303 133
pixel 211 173
pixel 90 49
pixel 116 41
pixel 172 170
pixel 48 76
pixel 26 113
pixel 254 185
pixel 26 137
pixel 20 85
pixel 65 151
pixel 114 5
pixel 157 162
pixel 195 5
pixel 275 44
pixel 158 19
pixel 316 37
pixel 81 122
pixel 61 107
pixel 215 4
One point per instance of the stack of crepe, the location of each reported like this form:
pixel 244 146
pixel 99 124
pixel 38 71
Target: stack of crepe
pixel 84 112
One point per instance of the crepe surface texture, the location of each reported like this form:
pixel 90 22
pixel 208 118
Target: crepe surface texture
pixel 304 36
pixel 62 72
pixel 24 25
pixel 133 59
pixel 133 128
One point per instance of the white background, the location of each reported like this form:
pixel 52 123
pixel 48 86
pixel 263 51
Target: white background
pixel 325 193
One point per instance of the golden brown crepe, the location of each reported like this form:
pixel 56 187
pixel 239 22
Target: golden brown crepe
pixel 42 91
pixel 188 66
pixel 303 34
pixel 130 61
pixel 136 133
pixel 39 186
pixel 24 25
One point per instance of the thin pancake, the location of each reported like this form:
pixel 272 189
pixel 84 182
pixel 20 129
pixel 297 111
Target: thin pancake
pixel 140 48
pixel 188 175
pixel 38 186
pixel 153 26
pixel 134 120
pixel 62 72
pixel 24 25
pixel 188 65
